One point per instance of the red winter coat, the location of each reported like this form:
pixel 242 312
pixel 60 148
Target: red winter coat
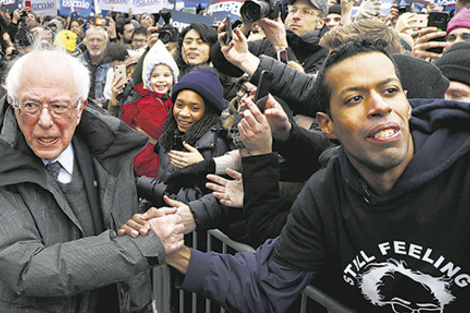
pixel 148 113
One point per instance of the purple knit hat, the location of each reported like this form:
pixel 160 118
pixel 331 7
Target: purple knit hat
pixel 461 19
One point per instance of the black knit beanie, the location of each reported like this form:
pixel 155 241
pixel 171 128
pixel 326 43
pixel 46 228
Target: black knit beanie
pixel 455 63
pixel 335 9
pixel 206 84
pixel 419 78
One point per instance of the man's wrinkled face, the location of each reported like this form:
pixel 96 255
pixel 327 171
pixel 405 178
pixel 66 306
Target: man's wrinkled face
pixel 303 18
pixel 96 43
pixel 46 83
pixel 369 113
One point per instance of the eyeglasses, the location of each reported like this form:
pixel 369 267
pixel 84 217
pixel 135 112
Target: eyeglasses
pixel 304 12
pixel 139 40
pixel 33 109
pixel 241 90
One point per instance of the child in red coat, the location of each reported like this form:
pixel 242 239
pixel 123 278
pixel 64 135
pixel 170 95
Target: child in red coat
pixel 147 114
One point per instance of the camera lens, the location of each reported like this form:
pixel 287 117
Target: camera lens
pixel 252 11
pixel 165 37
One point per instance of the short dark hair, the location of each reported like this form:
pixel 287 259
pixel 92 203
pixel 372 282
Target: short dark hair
pixel 140 31
pixel 347 50
pixel 208 33
pixel 121 21
pixel 115 51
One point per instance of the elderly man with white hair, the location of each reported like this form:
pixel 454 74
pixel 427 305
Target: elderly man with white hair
pixel 66 185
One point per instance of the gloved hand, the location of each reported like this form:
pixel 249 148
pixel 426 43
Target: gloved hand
pixel 368 9
pixel 189 176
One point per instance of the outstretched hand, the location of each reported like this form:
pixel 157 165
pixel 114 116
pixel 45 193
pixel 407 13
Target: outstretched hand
pixel 170 230
pixel 229 192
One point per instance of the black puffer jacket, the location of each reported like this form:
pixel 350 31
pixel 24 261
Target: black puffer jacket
pixel 212 144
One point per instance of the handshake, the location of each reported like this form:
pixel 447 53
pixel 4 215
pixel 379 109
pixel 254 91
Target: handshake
pixel 164 222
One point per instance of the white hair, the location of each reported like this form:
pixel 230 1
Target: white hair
pixel 79 72
pixel 98 28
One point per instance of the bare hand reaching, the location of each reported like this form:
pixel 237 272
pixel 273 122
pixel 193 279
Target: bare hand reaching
pixel 229 192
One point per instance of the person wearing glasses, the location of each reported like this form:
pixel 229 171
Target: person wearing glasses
pixel 296 40
pixel 139 38
pixel 66 184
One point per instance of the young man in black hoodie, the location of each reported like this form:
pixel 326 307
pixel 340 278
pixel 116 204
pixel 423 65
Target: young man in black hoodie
pixel 384 227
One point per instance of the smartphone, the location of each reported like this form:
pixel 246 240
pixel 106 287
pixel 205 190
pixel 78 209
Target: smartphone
pixel 178 143
pixel 101 21
pixel 421 21
pixel 120 74
pixel 4 8
pixel 228 29
pixel 262 89
pixel 27 5
pixel 439 20
pixel 74 16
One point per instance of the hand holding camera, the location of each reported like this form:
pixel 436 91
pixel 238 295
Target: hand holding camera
pixel 166 33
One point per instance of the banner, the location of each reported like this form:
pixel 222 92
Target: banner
pixel 180 20
pixel 137 6
pixel 83 7
pixel 219 9
pixel 10 5
pixel 195 3
pixel 417 6
pixel 115 5
pixel 44 7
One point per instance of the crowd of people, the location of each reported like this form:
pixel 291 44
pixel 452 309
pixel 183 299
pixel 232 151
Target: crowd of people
pixel 351 172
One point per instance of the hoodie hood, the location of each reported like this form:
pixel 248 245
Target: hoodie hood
pixel 441 135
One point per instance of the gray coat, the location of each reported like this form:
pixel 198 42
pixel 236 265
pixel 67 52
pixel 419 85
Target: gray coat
pixel 46 264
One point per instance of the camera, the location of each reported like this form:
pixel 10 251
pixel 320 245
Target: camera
pixel 254 10
pixel 167 33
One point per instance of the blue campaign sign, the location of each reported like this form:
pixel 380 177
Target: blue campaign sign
pixel 195 3
pixel 83 7
pixel 219 9
pixel 180 20
pixel 11 5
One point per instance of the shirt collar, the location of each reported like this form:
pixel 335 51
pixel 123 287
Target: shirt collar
pixel 66 159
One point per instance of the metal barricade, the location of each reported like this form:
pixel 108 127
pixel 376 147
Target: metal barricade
pixel 164 290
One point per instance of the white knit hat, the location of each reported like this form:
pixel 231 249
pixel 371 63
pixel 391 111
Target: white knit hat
pixel 158 55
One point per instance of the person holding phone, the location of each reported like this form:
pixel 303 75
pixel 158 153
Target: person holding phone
pixel 458 29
